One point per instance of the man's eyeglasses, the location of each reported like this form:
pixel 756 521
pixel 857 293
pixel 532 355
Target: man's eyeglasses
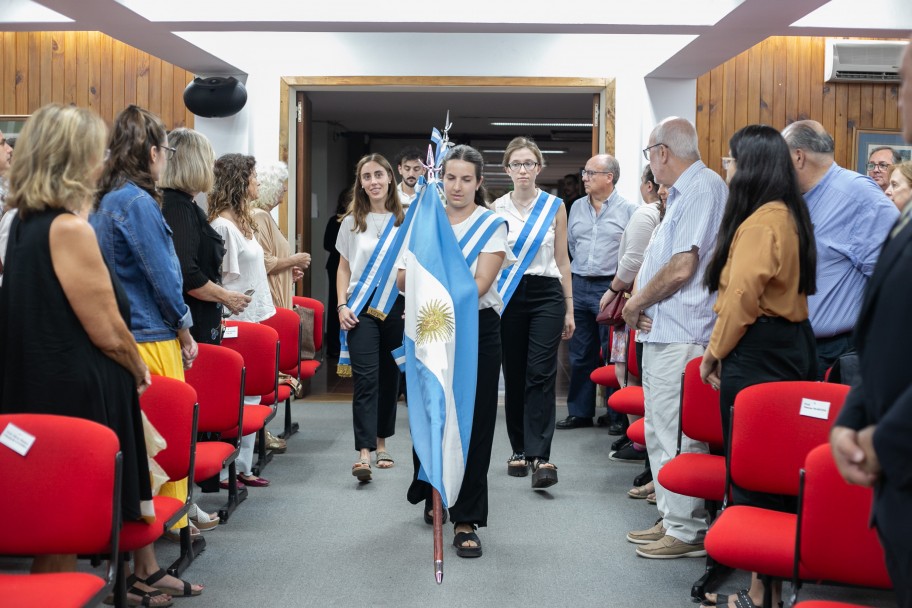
pixel 169 151
pixel 528 165
pixel 589 174
pixel 648 148
pixel 727 161
pixel 881 166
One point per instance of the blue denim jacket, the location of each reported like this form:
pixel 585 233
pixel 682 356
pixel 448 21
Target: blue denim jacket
pixel 136 242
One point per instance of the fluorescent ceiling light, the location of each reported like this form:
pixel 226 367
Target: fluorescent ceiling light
pixel 562 124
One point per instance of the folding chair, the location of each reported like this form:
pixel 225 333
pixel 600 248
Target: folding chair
pixel 78 513
pixel 752 538
pixel 218 377
pixel 170 406
pixel 259 346
pixel 827 504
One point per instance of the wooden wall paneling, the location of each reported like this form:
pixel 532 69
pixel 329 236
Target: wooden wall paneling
pixel 610 114
pixel 804 78
pixel 779 77
pixel 702 113
pixel 840 126
pixel 155 72
pixel 22 73
pixel 791 79
pixel 716 105
pixel 82 69
pixel 8 90
pixel 891 111
pixel 95 73
pixel 729 111
pixel 142 79
pixel 853 114
pixel 877 107
pixel 34 71
pixel 129 74
pixel 117 80
pixel 815 56
pixel 739 94
pixel 165 83
pixel 767 75
pixel 106 89
pixel 753 87
pixel 179 82
pixel 58 55
pixel 69 68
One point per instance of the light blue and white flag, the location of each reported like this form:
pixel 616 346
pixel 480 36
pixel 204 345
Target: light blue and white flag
pixel 441 346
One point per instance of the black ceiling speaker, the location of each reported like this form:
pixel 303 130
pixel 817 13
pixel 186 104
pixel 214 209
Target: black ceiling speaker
pixel 215 97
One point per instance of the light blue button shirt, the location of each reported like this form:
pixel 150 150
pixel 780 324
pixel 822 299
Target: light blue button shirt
pixel 594 238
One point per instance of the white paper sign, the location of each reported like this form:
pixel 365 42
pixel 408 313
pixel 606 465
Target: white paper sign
pixel 16 439
pixel 230 332
pixel 815 409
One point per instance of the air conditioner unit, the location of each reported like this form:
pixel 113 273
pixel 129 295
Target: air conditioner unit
pixel 862 60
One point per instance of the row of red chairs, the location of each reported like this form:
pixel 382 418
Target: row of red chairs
pixel 211 400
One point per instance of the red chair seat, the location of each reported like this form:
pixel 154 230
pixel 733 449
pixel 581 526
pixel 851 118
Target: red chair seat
pixel 210 458
pixel 628 400
pixel 697 475
pixel 771 549
pixel 605 376
pixel 309 368
pixel 60 590
pixel 284 393
pixel 136 534
pixel 826 604
pixel 254 419
pixel 636 432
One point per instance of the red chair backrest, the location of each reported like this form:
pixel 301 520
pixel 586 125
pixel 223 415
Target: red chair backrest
pixel 701 418
pixel 632 367
pixel 170 405
pixel 217 376
pixel 828 505
pixel 287 324
pixel 67 486
pixel 319 312
pixel 771 411
pixel 259 346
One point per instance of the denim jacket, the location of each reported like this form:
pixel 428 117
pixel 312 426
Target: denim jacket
pixel 136 242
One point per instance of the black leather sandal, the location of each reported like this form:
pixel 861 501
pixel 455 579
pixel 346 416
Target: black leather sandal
pixel 463 537
pixel 517 465
pixel 544 474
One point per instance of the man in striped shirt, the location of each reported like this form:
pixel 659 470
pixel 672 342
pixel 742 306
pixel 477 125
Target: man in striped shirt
pixel 672 312
pixel 852 218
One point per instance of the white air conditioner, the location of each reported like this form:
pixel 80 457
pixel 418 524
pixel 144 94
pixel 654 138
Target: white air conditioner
pixel 862 60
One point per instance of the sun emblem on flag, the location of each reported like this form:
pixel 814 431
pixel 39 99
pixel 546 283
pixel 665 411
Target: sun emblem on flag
pixel 435 322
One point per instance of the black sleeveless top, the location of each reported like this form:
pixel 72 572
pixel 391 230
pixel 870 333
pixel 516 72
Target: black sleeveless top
pixel 48 364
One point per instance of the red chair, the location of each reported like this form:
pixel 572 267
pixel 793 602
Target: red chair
pixel 699 475
pixel 218 377
pixel 77 513
pixel 176 423
pixel 287 324
pixel 170 406
pixel 751 538
pixel 629 399
pixel 308 368
pixel 636 432
pixel 259 346
pixel 827 503
pixel 826 604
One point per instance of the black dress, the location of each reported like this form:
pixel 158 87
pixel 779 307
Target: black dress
pixel 48 364
pixel 200 250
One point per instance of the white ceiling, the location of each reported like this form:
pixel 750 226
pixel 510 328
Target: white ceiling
pixel 661 38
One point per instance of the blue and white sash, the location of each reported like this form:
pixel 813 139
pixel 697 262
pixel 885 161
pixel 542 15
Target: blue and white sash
pixel 528 243
pixel 382 259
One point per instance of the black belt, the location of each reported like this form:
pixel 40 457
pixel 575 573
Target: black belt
pixel 594 279
pixel 842 336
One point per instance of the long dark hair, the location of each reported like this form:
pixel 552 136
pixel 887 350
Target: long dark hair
pixel 135 132
pixel 764 173
pixel 470 155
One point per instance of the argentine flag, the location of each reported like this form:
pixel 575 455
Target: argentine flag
pixel 441 346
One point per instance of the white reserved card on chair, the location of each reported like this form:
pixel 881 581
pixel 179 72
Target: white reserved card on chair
pixel 815 409
pixel 16 439
pixel 230 332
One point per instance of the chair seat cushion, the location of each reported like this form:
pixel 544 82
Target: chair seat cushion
pixel 628 400
pixel 210 458
pixel 254 419
pixel 136 534
pixel 60 590
pixel 754 539
pixel 309 368
pixel 697 475
pixel 605 376
pixel 284 393
pixel 636 432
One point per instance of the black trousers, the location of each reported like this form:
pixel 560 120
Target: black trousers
pixel 530 330
pixel 471 505
pixel 773 349
pixel 375 375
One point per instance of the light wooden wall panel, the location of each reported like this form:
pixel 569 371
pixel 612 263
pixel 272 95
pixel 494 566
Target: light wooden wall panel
pixel 779 81
pixel 88 69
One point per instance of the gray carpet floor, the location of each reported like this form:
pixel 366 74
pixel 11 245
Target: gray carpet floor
pixel 316 537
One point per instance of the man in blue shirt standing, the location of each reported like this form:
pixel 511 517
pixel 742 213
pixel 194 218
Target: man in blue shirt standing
pixel 594 230
pixel 852 218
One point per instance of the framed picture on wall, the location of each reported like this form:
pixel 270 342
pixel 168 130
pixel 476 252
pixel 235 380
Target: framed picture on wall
pixel 867 140
pixel 11 124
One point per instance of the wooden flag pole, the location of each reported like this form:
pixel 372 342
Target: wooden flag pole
pixel 438 537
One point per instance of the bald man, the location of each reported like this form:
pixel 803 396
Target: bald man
pixel 852 219
pixel 870 439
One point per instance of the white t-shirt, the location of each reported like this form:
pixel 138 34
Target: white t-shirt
pixel 543 264
pixel 243 268
pixel 358 247
pixel 405 199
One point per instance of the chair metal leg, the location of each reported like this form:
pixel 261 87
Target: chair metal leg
pixel 290 427
pixel 190 548
pixel 714 574
pixel 120 582
pixel 235 496
pixel 264 455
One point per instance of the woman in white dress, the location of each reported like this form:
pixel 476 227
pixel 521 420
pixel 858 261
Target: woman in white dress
pixel 243 268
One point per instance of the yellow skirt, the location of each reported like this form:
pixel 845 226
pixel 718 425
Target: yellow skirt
pixel 164 359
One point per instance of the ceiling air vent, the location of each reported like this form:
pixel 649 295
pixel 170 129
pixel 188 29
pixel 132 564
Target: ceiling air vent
pixel 862 60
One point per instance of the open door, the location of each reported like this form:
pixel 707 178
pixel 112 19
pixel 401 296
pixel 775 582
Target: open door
pixel 303 187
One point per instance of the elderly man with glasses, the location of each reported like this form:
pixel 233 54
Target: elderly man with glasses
pixel 880 165
pixel 594 230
